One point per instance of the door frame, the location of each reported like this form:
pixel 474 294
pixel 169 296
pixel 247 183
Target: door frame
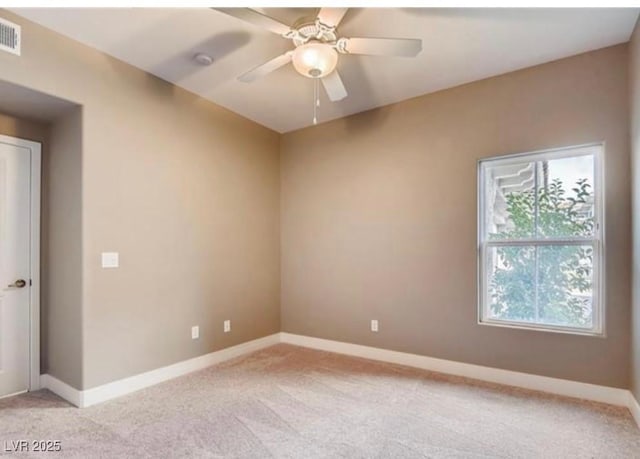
pixel 35 185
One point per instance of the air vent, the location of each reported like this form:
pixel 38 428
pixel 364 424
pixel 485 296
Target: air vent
pixel 9 37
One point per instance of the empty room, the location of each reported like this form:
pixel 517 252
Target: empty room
pixel 320 231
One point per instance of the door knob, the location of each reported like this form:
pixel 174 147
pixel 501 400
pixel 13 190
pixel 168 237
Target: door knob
pixel 20 283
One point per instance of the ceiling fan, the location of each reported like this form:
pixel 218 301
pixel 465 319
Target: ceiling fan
pixel 318 45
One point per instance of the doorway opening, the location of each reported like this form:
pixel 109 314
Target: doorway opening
pixel 31 120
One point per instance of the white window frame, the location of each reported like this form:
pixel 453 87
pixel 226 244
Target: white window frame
pixel 598 305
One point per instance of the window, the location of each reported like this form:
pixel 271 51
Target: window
pixel 540 240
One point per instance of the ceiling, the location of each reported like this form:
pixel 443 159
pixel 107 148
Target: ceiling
pixel 459 46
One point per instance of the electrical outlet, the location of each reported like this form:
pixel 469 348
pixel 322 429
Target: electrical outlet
pixel 110 260
pixel 374 325
pixel 195 332
pixel 227 326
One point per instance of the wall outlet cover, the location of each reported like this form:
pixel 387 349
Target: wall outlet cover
pixel 227 326
pixel 110 260
pixel 374 325
pixel 195 332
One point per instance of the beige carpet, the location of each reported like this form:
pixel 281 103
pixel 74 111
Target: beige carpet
pixel 292 402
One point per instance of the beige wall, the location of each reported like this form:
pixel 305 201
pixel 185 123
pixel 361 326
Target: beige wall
pixel 378 217
pixel 23 128
pixel 62 251
pixel 634 96
pixel 188 194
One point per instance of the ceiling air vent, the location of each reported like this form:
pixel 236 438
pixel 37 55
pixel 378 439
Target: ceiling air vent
pixel 9 37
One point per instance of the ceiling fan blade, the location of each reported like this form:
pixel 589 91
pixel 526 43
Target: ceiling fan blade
pixel 333 85
pixel 267 67
pixel 404 47
pixel 256 18
pixel 331 16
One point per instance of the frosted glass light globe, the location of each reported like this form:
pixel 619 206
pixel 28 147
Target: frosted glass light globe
pixel 315 59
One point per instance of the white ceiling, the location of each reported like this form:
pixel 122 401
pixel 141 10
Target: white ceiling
pixel 459 46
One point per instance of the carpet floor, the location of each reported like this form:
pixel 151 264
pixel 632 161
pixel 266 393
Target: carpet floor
pixel 291 402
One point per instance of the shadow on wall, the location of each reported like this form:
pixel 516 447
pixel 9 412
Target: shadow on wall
pixel 359 87
pixel 367 121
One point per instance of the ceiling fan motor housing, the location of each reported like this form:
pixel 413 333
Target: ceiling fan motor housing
pixel 313 30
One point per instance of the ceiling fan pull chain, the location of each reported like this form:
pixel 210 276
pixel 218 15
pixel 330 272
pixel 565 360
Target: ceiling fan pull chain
pixel 316 101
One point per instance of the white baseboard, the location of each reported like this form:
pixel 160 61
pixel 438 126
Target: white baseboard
pixel 604 394
pixel 84 398
pixel 63 390
pixel 611 395
pixel 634 407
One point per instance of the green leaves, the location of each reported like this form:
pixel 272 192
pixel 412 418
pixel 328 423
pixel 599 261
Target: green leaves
pixel 545 283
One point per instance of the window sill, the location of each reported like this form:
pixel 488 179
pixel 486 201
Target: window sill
pixel 544 328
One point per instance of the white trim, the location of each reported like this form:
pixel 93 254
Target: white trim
pixel 545 154
pixel 13 394
pixel 34 244
pixel 70 394
pixel 84 398
pixel 634 407
pixel 604 394
pixel 546 329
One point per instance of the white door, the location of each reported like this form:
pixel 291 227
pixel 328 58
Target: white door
pixel 15 210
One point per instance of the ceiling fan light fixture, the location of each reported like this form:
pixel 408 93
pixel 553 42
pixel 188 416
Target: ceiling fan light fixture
pixel 315 59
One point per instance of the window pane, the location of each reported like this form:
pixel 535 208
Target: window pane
pixel 565 285
pixel 565 197
pixel 510 200
pixel 560 294
pixel 511 283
